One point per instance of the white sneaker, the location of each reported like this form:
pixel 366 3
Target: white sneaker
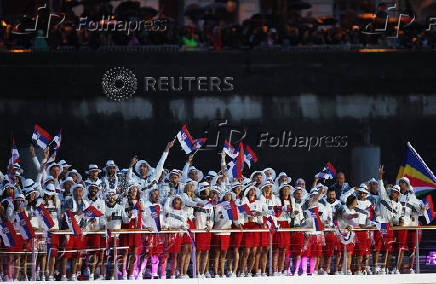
pixel 100 277
pixel 359 272
pixel 73 277
pixel 173 276
pixel 248 274
pixel 124 276
pixel 207 275
pixel 349 272
pixel 338 273
pixel 131 277
pixel 368 270
pixel 322 272
pixel 289 273
pixel 396 271
pixel 303 274
pixel 64 278
pixel 277 274
pixel 42 277
pixel 315 272
pixel 91 277
pixel 382 271
pixel 264 275
pixel 163 277
pixel 411 271
pixel 258 274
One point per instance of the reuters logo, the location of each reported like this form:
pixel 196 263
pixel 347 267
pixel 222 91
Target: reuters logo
pixel 119 84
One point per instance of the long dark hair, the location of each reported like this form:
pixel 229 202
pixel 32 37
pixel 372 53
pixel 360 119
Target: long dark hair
pixel 282 197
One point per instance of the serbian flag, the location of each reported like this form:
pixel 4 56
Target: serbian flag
pixel 415 169
pixel 328 172
pixel 186 141
pixel 237 165
pixel 9 236
pixel 429 213
pixel 137 206
pixel 316 220
pixel 24 226
pixel 372 214
pixel 108 237
pixel 383 228
pixel 229 150
pixel 41 137
pixel 270 222
pixel 55 144
pixel 15 156
pixel 231 209
pixel 91 212
pixel 155 214
pixel 278 210
pixel 72 223
pixel 45 217
pixel 199 142
pixel 245 209
pixel 249 156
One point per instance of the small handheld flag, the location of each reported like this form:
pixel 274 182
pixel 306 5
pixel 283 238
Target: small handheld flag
pixel 237 165
pixel 249 156
pixel 55 144
pixel 429 213
pixel 231 209
pixel 155 214
pixel 245 209
pixel 345 237
pixel 72 223
pixel 372 215
pixel 328 172
pixel 188 144
pixel 9 236
pixel 41 137
pixel 45 217
pixel 229 150
pixel 15 156
pixel 316 220
pixel 272 227
pixel 24 226
pixel 383 228
pixel 91 212
pixel 199 142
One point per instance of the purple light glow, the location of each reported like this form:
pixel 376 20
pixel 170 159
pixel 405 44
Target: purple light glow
pixel 432 258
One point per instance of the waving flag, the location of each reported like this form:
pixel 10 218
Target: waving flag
pixel 249 156
pixel 231 209
pixel 429 213
pixel 329 172
pixel 15 156
pixel 415 169
pixel 155 214
pixel 383 228
pixel 278 210
pixel 72 223
pixel 270 222
pixel 229 150
pixel 186 141
pixel 237 165
pixel 45 217
pixel 316 220
pixel 55 144
pixel 137 206
pixel 24 226
pixel 345 237
pixel 372 215
pixel 91 212
pixel 9 236
pixel 199 142
pixel 245 209
pixel 41 137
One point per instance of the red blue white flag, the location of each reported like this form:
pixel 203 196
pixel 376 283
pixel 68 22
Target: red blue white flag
pixel 72 223
pixel 249 156
pixel 186 141
pixel 429 213
pixel 41 137
pixel 155 214
pixel 24 226
pixel 45 217
pixel 15 156
pixel 91 212
pixel 328 172
pixel 316 220
pixel 229 150
pixel 9 236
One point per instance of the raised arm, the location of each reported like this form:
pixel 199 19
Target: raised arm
pixel 382 190
pixel 186 167
pixel 159 168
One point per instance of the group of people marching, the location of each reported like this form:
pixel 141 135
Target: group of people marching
pixel 180 201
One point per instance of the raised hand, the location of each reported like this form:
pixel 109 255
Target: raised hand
pixel 133 161
pixel 169 145
pixel 32 151
pixel 380 171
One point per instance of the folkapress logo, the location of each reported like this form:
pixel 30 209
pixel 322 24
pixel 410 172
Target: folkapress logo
pixel 119 84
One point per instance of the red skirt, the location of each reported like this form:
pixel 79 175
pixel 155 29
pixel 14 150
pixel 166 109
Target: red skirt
pixel 186 240
pixel 282 240
pixel 235 238
pixel 173 242
pixel 202 241
pixel 297 243
pixel 74 243
pixel 376 240
pixel 388 241
pixel 411 240
pixel 251 239
pixel 221 242
pixel 331 242
pixel 313 246
pixel 362 243
pixel 95 242
pixel 400 239
pixel 153 244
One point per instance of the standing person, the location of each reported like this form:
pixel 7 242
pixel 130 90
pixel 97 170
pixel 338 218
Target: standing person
pixel 361 250
pixel 203 220
pixel 50 201
pixel 390 211
pixel 375 236
pixel 331 207
pixel 268 201
pixel 301 183
pixel 115 216
pixel 221 241
pixel 134 207
pixel 340 186
pixel 236 237
pixel 297 237
pixel 168 189
pixel 153 243
pixel 347 220
pixel 93 172
pixel 94 241
pixel 176 219
pixel 76 205
pixel 251 240
pixel 411 209
pixel 110 179
pixel 281 240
